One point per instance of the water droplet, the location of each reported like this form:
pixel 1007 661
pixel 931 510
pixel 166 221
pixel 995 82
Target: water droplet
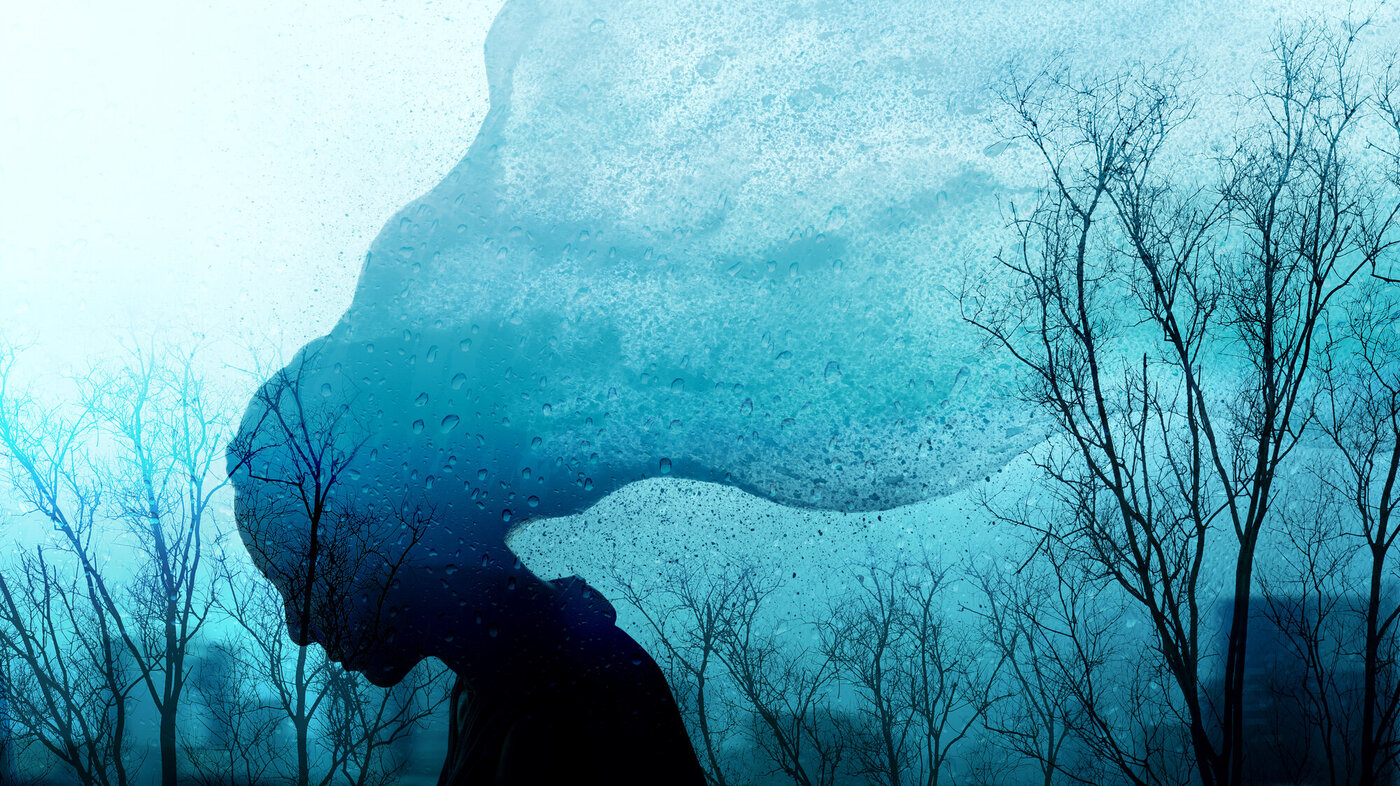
pixel 533 501
pixel 432 354
pixel 536 442
pixel 588 484
pixel 326 389
pixel 547 409
pixel 493 630
pixel 510 583
pixel 525 474
pixel 665 466
pixel 836 218
pixel 466 343
pixel 677 385
pixel 450 422
pixel 481 474
pixel 833 372
pixel 458 381
pixel 505 515
pixel 746 408
pixel 597 26
pixel 422 400
pixel 417 427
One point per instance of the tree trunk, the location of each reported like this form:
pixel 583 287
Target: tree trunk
pixel 167 746
pixel 301 722
pixel 1369 747
pixel 1229 765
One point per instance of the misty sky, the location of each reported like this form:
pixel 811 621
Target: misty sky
pixel 172 168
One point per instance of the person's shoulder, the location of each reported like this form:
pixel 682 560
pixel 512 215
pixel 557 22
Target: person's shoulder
pixel 580 597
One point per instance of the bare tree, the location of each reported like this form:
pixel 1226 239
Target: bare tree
pixel 1083 702
pixel 986 765
pixel 8 745
pixel 67 685
pixel 332 565
pixel 1359 411
pixel 299 452
pixel 161 484
pixel 157 479
pixel 1035 720
pixel 691 612
pixel 132 472
pixel 784 690
pixel 920 686
pixel 240 742
pixel 291 679
pixel 365 727
pixel 265 681
pixel 951 684
pixel 864 639
pixel 53 705
pixel 1308 625
pixel 727 663
pixel 921 681
pixel 1129 288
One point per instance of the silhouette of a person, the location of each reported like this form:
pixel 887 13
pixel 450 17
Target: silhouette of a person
pixel 632 273
pixel 549 689
pixel 584 704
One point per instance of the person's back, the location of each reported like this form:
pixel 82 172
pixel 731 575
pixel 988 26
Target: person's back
pixel 595 710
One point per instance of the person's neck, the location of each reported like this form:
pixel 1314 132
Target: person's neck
pixel 510 627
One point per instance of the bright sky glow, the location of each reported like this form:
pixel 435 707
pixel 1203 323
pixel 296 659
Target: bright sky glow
pixel 169 168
